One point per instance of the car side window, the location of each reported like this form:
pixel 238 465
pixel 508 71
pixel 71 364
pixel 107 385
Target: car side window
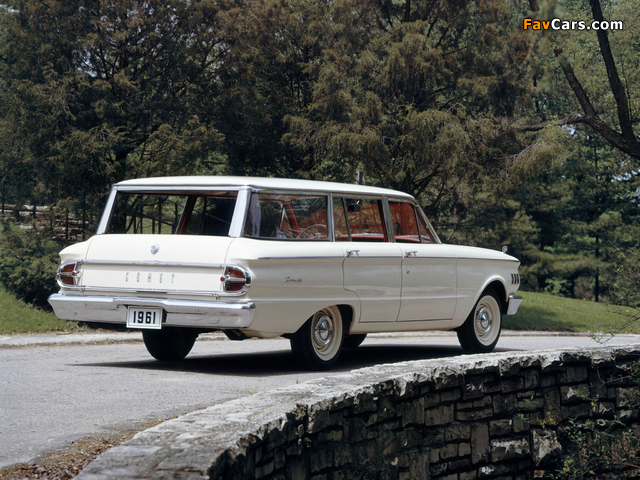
pixel 365 220
pixel 408 226
pixel 341 229
pixel 287 217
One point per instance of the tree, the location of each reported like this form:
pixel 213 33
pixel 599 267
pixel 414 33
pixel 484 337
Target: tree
pixel 622 88
pixel 100 91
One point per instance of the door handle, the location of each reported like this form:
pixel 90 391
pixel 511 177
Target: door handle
pixel 411 253
pixel 353 253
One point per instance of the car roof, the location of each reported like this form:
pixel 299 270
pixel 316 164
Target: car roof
pixel 260 183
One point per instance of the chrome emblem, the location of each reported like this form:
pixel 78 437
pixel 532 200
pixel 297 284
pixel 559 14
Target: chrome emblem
pixel 155 248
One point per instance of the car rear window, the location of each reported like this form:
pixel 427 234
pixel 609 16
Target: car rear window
pixel 184 214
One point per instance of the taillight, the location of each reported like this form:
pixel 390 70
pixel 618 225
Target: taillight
pixel 235 279
pixel 68 274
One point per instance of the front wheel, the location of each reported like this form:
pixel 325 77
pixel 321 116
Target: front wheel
pixel 169 344
pixel 319 341
pixel 481 331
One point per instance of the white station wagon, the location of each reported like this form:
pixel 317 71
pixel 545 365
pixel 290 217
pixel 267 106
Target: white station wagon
pixel 320 263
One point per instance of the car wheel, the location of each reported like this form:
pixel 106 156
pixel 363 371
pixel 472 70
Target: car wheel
pixel 319 341
pixel 353 341
pixel 481 331
pixel 170 344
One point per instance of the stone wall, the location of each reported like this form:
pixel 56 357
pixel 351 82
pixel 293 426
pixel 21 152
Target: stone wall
pixel 482 416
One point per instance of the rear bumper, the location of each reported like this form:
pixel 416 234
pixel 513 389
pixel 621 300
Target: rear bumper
pixel 179 313
pixel 514 303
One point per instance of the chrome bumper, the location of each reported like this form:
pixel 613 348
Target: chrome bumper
pixel 514 303
pixel 180 313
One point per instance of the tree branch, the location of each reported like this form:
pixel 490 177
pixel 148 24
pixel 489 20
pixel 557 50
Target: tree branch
pixel 614 80
pixel 629 145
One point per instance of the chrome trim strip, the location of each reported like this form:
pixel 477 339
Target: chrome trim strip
pixel 239 213
pixel 514 303
pixel 330 213
pixel 106 214
pixel 153 263
pixel 486 259
pixel 88 288
pixel 186 313
pixel 302 258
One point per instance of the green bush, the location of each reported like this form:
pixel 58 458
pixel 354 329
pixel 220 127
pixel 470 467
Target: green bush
pixel 28 265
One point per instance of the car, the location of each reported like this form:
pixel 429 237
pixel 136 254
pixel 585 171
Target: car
pixel 321 263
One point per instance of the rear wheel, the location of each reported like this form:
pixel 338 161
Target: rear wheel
pixel 481 331
pixel 169 344
pixel 319 341
pixel 353 341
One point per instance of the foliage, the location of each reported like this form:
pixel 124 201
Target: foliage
pixel 449 100
pixel 18 317
pixel 541 311
pixel 28 265
pixel 596 450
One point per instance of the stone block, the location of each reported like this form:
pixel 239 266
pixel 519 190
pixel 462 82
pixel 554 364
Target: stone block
pixel 480 446
pixel 546 448
pixel 502 450
pixel 431 399
pixel 552 408
pixel 504 404
pixel 354 430
pixel 439 416
pixel 627 398
pixel 472 475
pixel 474 415
pixel 321 457
pixel 365 453
pixel 530 404
pixel 574 393
pixel 450 395
pixel 548 380
pixel 576 374
pixel 411 412
pixel 464 449
pixel 513 384
pixel 459 464
pixel 581 410
pixel 490 388
pixel 433 437
pixel 531 379
pixel 330 436
pixel 448 451
pixel 279 459
pixel 457 431
pixel 498 428
pixel 297 468
pixel 520 425
pixel 473 388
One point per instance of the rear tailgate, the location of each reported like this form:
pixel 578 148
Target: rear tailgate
pixel 155 263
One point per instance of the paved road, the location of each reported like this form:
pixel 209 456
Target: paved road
pixel 54 394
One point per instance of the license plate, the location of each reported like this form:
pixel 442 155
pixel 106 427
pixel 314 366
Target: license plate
pixel 144 317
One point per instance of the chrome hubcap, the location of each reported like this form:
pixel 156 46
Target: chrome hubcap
pixel 484 321
pixel 323 331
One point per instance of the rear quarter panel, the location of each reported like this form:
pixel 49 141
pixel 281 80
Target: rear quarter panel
pixel 291 280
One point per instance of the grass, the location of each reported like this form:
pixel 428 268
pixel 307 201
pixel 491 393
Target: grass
pixel 17 317
pixel 541 311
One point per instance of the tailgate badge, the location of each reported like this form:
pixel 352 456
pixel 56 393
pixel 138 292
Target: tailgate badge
pixel 154 248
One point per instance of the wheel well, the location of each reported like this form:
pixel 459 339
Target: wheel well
pixel 347 316
pixel 498 287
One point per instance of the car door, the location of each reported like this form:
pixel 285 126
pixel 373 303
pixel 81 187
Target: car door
pixel 429 277
pixel 372 265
